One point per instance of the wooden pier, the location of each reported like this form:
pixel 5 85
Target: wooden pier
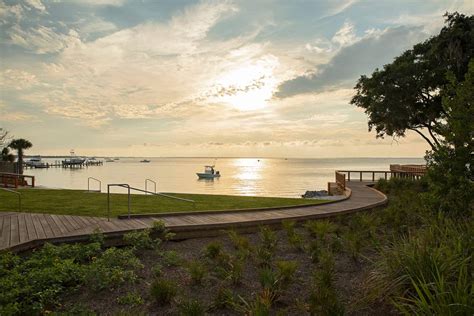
pixel 65 164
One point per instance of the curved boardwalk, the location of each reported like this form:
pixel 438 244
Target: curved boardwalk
pixel 21 231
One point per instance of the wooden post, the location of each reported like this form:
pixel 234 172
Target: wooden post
pixel 360 176
pixel 373 176
pixel 348 176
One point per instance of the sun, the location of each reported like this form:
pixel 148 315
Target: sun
pixel 248 86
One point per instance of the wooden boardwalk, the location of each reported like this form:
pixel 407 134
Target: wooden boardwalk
pixel 21 231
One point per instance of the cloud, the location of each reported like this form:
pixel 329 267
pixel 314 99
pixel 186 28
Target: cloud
pixel 374 50
pixel 36 4
pixel 41 39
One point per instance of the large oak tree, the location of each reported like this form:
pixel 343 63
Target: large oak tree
pixel 406 94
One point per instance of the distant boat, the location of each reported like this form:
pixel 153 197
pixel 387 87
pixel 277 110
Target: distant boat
pixel 145 160
pixel 109 160
pixel 116 158
pixel 36 162
pixel 209 173
pixel 74 160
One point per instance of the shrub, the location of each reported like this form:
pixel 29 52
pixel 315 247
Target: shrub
pixel 172 259
pixel 197 271
pixel 115 266
pixel 139 239
pixel 159 229
pixel 131 298
pixel 192 308
pixel 97 237
pixel 163 291
pixel 157 270
pixel 213 249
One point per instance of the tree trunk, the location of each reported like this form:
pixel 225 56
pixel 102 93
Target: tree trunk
pixel 20 161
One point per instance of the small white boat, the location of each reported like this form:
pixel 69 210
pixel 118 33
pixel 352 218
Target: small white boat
pixel 209 173
pixel 36 162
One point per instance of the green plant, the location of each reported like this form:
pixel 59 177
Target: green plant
pixel 159 229
pixel 131 298
pixel 223 299
pixel 197 271
pixel 114 267
pixel 426 271
pixel 157 270
pixel 268 279
pixel 240 243
pixel 97 237
pixel 286 271
pixel 171 258
pixel 314 250
pixel 163 291
pixel 264 256
pixel 321 228
pixel 213 249
pixel 191 308
pixel 139 239
pixel 289 226
pixel 268 238
pixel 353 243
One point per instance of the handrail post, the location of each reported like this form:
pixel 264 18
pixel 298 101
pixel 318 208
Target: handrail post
pixel 108 202
pixel 360 176
pixel 128 201
pixel 146 185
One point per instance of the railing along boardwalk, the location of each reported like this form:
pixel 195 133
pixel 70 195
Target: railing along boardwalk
pixel 14 180
pixel 22 231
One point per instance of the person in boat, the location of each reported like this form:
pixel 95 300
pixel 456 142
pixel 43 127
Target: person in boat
pixel 212 170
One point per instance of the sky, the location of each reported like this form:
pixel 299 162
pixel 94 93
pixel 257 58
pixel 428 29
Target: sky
pixel 203 78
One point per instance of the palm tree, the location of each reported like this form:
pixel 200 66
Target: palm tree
pixel 20 145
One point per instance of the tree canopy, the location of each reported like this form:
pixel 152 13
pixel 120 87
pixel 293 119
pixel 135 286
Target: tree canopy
pixel 407 94
pixel 20 145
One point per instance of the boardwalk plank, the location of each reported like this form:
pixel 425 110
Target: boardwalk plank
pixel 15 233
pixel 62 228
pixel 5 238
pixel 52 224
pixel 22 228
pixel 30 227
pixel 46 228
pixel 38 227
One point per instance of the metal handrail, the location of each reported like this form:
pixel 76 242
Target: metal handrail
pixel 146 181
pixel 19 196
pixel 88 184
pixel 127 186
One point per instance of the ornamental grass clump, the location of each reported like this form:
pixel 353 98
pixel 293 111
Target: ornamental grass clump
pixel 240 243
pixel 197 271
pixel 429 271
pixel 213 250
pixel 163 291
pixel 268 238
pixel 172 258
pixel 192 308
pixel 294 239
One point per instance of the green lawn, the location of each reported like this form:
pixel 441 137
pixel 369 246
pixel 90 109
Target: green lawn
pixel 76 202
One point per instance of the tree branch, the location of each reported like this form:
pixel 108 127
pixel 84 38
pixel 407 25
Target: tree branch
pixel 425 138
